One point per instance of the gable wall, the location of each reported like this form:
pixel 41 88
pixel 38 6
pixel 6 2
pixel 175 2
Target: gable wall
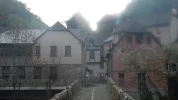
pixel 60 39
pixel 164 34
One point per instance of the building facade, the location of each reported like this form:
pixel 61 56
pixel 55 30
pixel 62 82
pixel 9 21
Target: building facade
pixel 96 69
pixel 162 25
pixel 55 58
pixel 131 35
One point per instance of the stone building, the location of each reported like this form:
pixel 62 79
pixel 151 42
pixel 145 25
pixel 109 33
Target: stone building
pixel 162 25
pixel 51 57
pixel 131 35
pixel 95 66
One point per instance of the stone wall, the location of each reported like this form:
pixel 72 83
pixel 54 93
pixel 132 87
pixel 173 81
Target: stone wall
pixel 116 92
pixel 66 74
pixel 68 93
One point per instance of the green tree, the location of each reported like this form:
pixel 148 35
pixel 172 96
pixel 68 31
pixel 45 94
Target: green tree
pixel 15 14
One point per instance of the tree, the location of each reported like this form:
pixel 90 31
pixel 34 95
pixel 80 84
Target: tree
pixel 141 7
pixel 144 61
pixel 16 52
pixel 14 13
pixel 106 25
pixel 171 55
pixel 77 21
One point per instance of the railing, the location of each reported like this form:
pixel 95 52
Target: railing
pixel 68 93
pixel 116 92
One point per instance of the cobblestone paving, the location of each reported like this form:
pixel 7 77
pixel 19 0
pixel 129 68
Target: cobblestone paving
pixel 95 92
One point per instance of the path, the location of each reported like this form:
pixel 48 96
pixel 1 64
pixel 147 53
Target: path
pixel 95 92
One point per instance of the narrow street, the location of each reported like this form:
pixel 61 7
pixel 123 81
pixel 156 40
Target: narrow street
pixel 94 92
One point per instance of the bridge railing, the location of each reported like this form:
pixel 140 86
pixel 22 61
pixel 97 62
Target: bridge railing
pixel 68 93
pixel 116 92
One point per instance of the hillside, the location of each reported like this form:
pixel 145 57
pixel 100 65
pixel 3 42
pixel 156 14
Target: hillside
pixel 141 7
pixel 77 21
pixel 106 24
pixel 14 14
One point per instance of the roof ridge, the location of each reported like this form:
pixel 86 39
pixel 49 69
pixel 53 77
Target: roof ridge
pixel 57 27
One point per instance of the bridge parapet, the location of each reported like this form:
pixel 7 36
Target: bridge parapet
pixel 68 93
pixel 116 92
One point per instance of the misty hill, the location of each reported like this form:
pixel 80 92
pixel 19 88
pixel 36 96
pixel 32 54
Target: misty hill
pixel 77 21
pixel 141 7
pixel 15 14
pixel 106 24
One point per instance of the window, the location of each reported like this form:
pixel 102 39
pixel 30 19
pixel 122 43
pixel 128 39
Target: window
pixel 37 73
pixel 92 54
pixel 53 51
pixel 37 49
pixel 21 72
pixel 53 72
pixel 148 40
pixel 68 51
pixel 139 39
pixel 121 79
pixel 5 73
pixel 129 39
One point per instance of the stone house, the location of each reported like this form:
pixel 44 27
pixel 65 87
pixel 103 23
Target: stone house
pixel 55 57
pixel 131 35
pixel 95 66
pixel 162 25
pixel 108 44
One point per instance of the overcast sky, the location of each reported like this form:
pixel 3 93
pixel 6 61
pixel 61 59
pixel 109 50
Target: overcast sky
pixel 51 11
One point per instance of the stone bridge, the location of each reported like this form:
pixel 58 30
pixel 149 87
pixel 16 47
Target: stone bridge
pixel 92 91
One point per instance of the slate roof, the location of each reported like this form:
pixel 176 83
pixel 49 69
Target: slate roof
pixel 57 27
pixel 24 36
pixel 79 33
pixel 154 19
pixel 29 36
pixel 131 26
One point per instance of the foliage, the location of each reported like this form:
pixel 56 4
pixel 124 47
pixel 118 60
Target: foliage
pixel 140 7
pixel 144 60
pixel 19 62
pixel 15 14
pixel 158 60
pixel 171 52
pixel 116 92
pixel 106 25
pixel 77 21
